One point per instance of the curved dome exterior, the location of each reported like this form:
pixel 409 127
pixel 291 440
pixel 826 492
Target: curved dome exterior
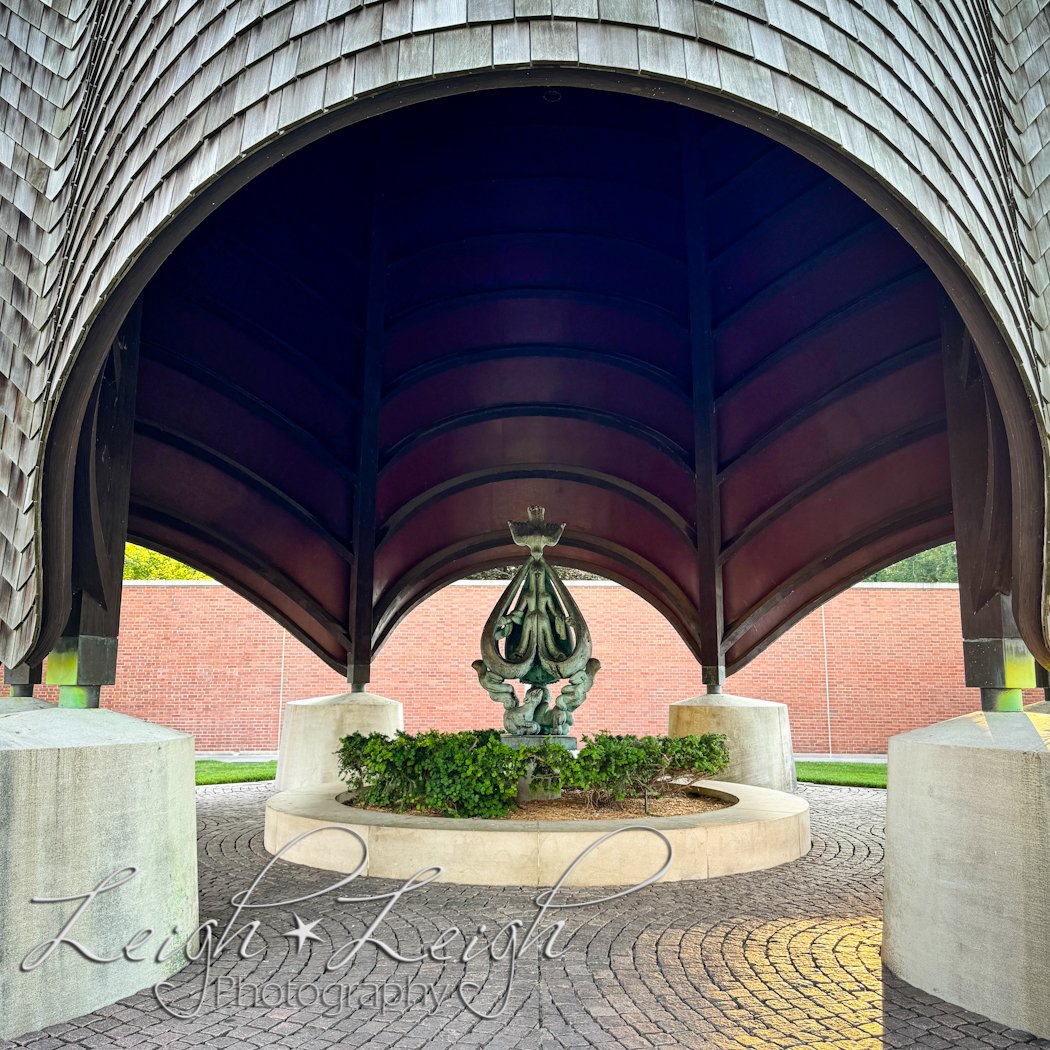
pixel 126 127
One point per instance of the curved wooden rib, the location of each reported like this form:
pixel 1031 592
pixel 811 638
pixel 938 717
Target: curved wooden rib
pixel 241 555
pixel 272 601
pixel 434 369
pixel 932 510
pixel 240 473
pixel 918 431
pixel 545 471
pixel 478 415
pixel 868 560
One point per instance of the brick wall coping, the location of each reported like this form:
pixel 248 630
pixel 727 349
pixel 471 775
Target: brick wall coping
pixel 890 584
pixel 172 583
pixel 571 583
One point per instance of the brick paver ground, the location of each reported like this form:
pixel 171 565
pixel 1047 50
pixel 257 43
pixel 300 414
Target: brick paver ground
pixel 780 958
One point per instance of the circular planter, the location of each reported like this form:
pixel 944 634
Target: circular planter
pixel 761 829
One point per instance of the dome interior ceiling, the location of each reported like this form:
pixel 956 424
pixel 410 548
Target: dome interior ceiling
pixel 543 283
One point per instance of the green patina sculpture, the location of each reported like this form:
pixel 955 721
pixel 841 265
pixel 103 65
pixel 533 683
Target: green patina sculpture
pixel 545 640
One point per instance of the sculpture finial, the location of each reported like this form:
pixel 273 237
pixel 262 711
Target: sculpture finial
pixel 537 532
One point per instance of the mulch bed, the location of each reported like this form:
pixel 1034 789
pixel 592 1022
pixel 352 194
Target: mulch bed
pixel 573 806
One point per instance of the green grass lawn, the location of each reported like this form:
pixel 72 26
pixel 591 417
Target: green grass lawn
pixel 211 772
pixel 846 774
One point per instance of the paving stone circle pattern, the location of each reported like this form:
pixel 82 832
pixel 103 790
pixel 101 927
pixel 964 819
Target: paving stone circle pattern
pixel 780 958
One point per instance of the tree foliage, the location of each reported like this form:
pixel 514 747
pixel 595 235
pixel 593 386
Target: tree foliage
pixel 140 563
pixel 932 566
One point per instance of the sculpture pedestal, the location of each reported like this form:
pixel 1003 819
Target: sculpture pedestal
pixel 312 730
pixel 83 794
pixel 967 912
pixel 758 733
pixel 525 792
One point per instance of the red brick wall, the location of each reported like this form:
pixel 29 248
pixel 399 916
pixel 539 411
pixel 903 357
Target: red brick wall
pixel 197 657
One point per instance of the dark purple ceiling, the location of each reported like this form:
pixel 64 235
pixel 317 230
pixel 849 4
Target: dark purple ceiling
pixel 547 289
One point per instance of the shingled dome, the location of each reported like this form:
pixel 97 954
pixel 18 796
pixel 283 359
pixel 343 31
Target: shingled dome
pixel 710 282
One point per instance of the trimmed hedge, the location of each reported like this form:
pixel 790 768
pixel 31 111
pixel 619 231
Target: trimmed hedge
pixel 474 774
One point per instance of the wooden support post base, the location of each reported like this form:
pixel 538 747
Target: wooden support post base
pixel 79 696
pixel 22 678
pixel 80 665
pixel 1000 668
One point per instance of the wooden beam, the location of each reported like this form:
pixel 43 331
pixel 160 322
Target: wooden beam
pixel 239 587
pixel 430 575
pixel 257 333
pixel 838 393
pixel 770 155
pixel 638 308
pixel 540 472
pixel 362 574
pixel 710 608
pixel 494 244
pixel 928 510
pixel 205 535
pixel 85 656
pixel 787 211
pixel 827 324
pixel 827 254
pixel 981 495
pixel 815 603
pixel 995 658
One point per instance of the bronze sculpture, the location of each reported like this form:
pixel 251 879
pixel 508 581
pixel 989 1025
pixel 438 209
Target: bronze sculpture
pixel 545 640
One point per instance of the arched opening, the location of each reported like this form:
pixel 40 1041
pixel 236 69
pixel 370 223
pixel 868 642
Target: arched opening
pixel 712 359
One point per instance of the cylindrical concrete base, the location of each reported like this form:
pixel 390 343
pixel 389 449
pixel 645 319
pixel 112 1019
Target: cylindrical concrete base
pixel 967 911
pixel 758 733
pixel 312 729
pixel 84 794
pixel 13 705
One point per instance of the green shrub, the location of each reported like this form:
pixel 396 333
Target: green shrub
pixel 474 774
pixel 612 768
pixel 470 774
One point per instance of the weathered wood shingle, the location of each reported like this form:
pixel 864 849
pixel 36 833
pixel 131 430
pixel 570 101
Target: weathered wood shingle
pixel 113 115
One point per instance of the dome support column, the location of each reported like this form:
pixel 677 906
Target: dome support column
pixel 996 660
pixel 359 659
pixel 708 512
pixel 85 657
